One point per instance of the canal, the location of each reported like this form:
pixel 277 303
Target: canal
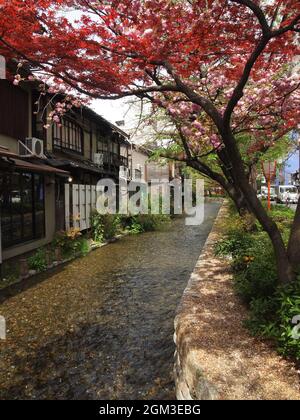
pixel 101 327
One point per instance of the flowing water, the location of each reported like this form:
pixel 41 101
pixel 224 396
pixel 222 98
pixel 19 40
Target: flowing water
pixel 101 327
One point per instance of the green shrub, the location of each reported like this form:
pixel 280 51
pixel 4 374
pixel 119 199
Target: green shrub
pixel 84 247
pixel 272 317
pixel 253 260
pixel 105 226
pixel 151 222
pixel 134 226
pixel 111 225
pixel 38 261
pixel 235 244
pixel 108 226
pixel 283 216
pixel 68 242
pixel 271 307
pixel 97 228
pixel 262 316
pixel 256 274
pixel 145 222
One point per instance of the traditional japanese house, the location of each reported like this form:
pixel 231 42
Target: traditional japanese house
pixel 36 164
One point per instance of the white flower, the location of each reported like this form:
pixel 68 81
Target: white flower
pixel 148 31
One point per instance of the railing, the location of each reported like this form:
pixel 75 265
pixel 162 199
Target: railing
pixel 59 144
pixel 124 161
pixel 114 159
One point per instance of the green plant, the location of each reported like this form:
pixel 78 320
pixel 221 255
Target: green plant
pixel 97 227
pixel 257 277
pixel 68 242
pixel 105 226
pixel 272 318
pixel 38 261
pixel 135 227
pixel 84 246
pixel 236 243
pixel 146 222
pixel 271 307
pixel 111 225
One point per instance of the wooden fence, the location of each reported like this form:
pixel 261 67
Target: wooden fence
pixel 80 201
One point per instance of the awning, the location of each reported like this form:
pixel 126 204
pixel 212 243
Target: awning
pixel 71 163
pixel 15 161
pixel 40 168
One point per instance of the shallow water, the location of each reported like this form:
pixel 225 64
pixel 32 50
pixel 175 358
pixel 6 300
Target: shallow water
pixel 102 326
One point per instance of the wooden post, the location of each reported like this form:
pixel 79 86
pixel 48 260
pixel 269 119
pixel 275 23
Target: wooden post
pixel 67 206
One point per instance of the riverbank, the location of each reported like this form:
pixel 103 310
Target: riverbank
pixel 216 357
pixel 13 281
pixel 68 246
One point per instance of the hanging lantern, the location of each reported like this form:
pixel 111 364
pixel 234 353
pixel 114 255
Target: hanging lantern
pixel 269 170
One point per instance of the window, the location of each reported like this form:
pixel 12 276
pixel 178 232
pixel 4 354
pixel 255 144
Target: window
pixel 115 148
pixel 68 137
pixel 102 146
pixel 22 208
pixel 137 174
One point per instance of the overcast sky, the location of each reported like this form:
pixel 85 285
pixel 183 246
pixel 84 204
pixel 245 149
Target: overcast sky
pixel 113 111
pixel 128 110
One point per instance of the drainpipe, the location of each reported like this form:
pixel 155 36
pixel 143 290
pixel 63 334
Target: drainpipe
pixel 131 163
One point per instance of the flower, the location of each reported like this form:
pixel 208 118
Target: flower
pixel 148 31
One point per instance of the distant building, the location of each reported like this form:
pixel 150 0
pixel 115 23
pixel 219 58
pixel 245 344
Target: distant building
pixel 144 169
pixel 290 167
pixel 289 174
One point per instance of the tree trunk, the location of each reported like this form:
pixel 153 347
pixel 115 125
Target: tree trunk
pixel 239 200
pixel 294 242
pixel 285 271
pixel 284 267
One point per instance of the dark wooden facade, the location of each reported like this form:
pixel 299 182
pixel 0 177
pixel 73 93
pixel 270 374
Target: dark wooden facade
pixel 14 110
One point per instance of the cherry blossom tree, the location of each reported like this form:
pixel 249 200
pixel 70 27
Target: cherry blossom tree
pixel 221 68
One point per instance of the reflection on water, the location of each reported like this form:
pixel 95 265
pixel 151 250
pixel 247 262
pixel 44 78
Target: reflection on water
pixel 102 327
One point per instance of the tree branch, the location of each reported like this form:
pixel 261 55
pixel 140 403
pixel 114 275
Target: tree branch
pixel 258 13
